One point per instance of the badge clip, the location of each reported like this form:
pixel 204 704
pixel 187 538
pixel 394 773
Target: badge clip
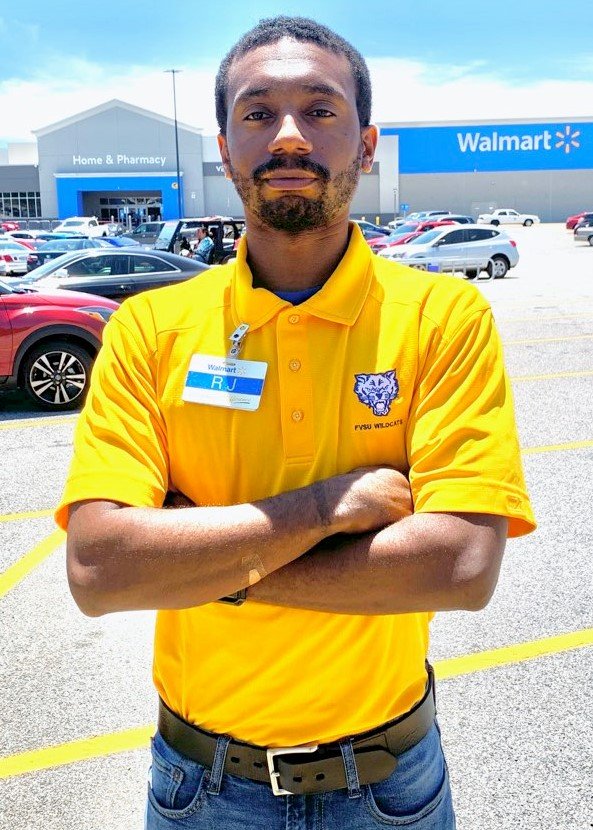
pixel 237 338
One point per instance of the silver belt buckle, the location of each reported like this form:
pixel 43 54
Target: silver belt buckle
pixel 284 750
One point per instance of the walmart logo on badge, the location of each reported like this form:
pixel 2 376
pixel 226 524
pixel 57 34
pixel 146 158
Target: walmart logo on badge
pixel 477 142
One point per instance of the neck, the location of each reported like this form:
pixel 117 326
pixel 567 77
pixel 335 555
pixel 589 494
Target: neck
pixel 281 261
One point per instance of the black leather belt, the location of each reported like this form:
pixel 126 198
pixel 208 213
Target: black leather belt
pixel 299 770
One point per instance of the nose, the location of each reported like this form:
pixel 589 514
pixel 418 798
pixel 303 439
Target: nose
pixel 289 138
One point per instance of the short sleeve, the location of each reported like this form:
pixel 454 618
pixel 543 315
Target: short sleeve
pixel 120 438
pixel 462 439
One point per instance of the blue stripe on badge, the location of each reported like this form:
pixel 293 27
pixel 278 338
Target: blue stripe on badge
pixel 224 383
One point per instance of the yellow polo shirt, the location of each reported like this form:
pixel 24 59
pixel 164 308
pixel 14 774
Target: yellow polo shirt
pixel 383 366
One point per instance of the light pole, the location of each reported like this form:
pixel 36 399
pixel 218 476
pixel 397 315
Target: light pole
pixel 173 73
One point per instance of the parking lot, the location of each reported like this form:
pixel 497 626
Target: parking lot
pixel 516 680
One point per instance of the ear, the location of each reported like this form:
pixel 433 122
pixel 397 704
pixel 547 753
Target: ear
pixel 369 137
pixel 224 154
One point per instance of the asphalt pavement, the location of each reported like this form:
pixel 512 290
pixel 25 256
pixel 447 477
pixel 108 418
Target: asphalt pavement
pixel 516 690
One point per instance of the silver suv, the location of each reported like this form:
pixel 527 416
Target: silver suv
pixel 471 249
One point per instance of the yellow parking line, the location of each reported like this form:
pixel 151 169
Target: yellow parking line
pixel 548 339
pixel 57 756
pixel 28 514
pixel 583 374
pixel 38 422
pixel 17 572
pixel 508 655
pixel 574 445
pixel 132 739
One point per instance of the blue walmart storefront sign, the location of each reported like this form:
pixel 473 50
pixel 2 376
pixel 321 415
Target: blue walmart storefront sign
pixel 562 146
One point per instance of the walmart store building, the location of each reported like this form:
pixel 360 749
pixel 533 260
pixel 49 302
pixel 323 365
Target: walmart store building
pixel 118 162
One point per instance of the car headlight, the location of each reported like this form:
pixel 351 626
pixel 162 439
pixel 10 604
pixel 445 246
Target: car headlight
pixel 97 311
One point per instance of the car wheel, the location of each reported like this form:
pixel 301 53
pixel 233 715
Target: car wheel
pixel 471 273
pixel 495 222
pixel 528 223
pixel 56 375
pixel 497 267
pixel 590 240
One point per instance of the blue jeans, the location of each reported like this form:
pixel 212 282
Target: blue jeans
pixel 184 794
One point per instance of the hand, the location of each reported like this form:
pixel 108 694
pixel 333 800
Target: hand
pixel 367 499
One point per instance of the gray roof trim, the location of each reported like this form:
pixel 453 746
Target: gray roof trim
pixel 115 103
pixel 118 175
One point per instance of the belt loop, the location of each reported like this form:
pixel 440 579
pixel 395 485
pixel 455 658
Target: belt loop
pixel 349 760
pixel 216 773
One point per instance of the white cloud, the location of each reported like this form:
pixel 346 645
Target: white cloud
pixel 403 91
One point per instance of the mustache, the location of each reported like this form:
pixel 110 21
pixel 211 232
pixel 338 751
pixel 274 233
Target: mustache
pixel 287 163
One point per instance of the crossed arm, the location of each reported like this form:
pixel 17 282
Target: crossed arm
pixel 349 544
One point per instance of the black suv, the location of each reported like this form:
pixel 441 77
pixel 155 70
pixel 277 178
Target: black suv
pixel 224 230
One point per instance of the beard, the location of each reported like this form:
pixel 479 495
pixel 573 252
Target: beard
pixel 292 212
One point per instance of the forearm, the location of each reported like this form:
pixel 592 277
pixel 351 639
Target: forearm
pixel 425 562
pixel 122 558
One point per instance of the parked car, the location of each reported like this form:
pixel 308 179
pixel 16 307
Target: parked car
pixel 508 216
pixel 48 342
pixel 56 247
pixel 224 230
pixel 87 225
pixel 370 230
pixel 583 220
pixel 36 238
pixel 14 256
pixel 584 234
pixel 9 225
pixel 472 248
pixel 146 233
pixel 405 230
pixel 571 221
pixel 116 273
pixel 459 218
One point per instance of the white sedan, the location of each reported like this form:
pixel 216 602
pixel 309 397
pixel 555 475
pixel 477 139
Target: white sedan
pixel 508 216
pixel 13 257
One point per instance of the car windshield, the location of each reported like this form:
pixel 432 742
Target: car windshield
pixel 12 246
pixel 402 230
pixel 165 236
pixel 71 223
pixel 71 244
pixel 425 237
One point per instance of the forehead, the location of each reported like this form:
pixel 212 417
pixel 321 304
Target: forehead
pixel 290 65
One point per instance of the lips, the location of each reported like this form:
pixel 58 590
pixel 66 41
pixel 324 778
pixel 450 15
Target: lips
pixel 290 180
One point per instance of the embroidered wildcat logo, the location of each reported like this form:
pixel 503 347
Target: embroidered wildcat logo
pixel 377 391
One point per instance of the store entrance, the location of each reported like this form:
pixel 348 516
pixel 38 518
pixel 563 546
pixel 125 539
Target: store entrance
pixel 130 209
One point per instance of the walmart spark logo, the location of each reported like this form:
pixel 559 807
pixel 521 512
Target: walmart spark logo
pixel 568 139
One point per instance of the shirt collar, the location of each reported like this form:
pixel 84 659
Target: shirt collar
pixel 340 300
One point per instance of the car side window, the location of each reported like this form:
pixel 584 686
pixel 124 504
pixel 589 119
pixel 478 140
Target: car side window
pixel 149 265
pixel 98 266
pixel 453 238
pixel 478 234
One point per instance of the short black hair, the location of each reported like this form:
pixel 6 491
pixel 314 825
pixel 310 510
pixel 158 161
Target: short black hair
pixel 273 29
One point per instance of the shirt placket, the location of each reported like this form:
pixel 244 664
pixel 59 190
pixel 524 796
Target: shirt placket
pixel 296 385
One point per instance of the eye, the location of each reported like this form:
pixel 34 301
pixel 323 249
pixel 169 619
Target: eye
pixel 258 115
pixel 319 112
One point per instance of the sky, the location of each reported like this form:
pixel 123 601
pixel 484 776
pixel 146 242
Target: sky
pixel 453 60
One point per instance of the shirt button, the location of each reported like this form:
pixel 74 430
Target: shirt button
pixel 297 415
pixel 294 365
pixel 294 318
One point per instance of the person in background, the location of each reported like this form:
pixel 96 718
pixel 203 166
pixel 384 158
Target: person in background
pixel 205 248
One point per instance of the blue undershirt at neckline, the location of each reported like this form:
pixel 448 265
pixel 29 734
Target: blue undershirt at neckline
pixel 297 297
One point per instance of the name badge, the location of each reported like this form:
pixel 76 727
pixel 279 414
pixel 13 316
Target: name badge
pixel 225 381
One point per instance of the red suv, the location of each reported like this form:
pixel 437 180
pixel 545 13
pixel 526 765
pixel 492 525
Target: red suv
pixel 48 342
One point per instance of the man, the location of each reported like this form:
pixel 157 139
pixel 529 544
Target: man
pixel 342 428
pixel 205 246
